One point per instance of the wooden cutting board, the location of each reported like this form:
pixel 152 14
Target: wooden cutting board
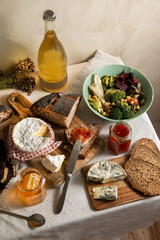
pixel 21 105
pixel 126 193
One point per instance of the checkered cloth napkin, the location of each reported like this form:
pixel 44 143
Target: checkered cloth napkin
pixel 16 154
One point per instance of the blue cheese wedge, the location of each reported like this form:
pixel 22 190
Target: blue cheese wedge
pixel 52 163
pixel 31 135
pixel 105 193
pixel 106 171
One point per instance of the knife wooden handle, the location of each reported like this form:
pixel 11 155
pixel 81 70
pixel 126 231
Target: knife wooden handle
pixel 63 195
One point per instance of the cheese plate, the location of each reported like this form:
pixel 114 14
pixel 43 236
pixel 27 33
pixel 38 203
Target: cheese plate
pixel 22 107
pixel 126 193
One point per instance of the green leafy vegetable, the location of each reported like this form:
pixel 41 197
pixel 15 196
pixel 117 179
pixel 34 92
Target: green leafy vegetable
pixel 96 104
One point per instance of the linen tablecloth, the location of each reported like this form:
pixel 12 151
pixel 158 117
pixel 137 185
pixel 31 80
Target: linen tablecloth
pixel 78 220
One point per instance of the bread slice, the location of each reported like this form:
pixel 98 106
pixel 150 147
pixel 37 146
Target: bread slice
pixel 143 167
pixel 143 176
pixel 148 143
pixel 87 144
pixel 58 108
pixel 146 154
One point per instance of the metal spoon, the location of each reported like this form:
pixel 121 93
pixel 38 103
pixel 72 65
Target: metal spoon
pixel 35 220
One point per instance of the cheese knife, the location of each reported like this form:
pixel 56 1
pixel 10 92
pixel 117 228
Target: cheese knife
pixel 70 167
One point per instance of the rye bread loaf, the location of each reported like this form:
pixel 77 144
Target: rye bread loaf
pixel 57 108
pixel 143 167
pixel 87 144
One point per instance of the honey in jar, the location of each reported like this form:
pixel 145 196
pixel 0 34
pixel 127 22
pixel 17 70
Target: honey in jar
pixel 31 186
pixel 119 137
pixel 52 61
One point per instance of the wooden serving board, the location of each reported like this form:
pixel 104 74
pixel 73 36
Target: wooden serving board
pixel 126 193
pixel 22 106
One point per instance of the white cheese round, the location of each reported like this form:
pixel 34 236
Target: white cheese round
pixel 28 135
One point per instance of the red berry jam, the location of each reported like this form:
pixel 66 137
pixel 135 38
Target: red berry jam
pixel 80 131
pixel 121 130
pixel 119 138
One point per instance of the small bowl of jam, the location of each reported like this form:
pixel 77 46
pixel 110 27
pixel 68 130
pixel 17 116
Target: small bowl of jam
pixel 31 186
pixel 119 137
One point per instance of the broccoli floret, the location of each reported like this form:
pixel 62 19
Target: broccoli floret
pixel 116 113
pixel 114 95
pixel 125 110
pixel 96 104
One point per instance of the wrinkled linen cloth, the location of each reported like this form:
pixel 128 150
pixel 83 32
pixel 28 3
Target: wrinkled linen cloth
pixel 99 60
pixel 78 220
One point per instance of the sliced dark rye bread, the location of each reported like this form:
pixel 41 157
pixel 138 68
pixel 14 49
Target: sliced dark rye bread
pixel 143 167
pixel 143 176
pixel 148 143
pixel 58 108
pixel 146 154
pixel 87 144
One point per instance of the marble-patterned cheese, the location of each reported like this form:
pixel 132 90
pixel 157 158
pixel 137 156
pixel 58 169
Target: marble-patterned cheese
pixel 106 171
pixel 105 193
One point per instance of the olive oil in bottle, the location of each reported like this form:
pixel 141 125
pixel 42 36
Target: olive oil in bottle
pixel 52 61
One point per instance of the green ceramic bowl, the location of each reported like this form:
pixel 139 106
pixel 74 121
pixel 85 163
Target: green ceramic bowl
pixel 116 69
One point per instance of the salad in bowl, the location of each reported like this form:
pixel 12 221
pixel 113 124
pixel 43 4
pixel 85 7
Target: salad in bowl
pixel 117 92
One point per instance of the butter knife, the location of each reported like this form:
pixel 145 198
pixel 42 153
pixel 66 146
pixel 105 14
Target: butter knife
pixel 70 167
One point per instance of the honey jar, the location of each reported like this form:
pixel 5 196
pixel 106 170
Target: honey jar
pixel 119 137
pixel 31 186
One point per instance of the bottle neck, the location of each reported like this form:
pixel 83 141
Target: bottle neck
pixel 49 26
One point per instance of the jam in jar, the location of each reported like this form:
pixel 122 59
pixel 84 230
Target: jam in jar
pixel 31 186
pixel 119 137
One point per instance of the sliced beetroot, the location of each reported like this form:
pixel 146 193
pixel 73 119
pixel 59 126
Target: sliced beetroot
pixel 121 85
pixel 123 75
pixel 125 80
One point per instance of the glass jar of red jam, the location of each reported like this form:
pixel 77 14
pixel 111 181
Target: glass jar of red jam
pixel 119 137
pixel 31 186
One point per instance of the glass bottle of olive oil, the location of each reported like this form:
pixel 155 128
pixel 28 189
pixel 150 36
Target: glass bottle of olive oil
pixel 52 61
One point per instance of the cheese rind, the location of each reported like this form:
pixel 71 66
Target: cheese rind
pixel 106 171
pixel 105 193
pixel 52 163
pixel 24 137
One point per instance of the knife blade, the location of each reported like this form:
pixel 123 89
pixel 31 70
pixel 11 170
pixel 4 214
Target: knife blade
pixel 70 168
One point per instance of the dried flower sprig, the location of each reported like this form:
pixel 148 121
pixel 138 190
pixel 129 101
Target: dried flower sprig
pixel 19 76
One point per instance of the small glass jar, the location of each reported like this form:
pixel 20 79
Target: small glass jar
pixel 119 137
pixel 31 186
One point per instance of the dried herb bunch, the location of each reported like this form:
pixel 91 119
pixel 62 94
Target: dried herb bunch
pixel 19 76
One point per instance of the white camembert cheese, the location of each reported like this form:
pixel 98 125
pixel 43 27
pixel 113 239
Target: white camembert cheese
pixel 31 135
pixel 52 163
pixel 106 171
pixel 105 193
